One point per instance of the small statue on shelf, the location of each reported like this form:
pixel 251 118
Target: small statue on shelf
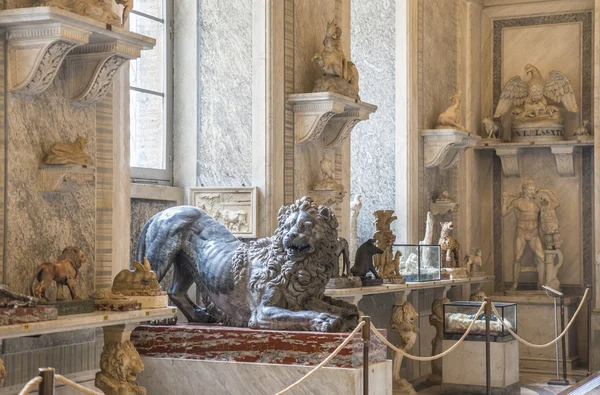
pixel 387 264
pixel 449 246
pixel 343 279
pixel 68 153
pixel 363 263
pixel 99 10
pixel 327 182
pixel 444 198
pixel 403 322
pixel 491 128
pixel 64 272
pixel 140 281
pixel 451 117
pixel 473 262
pixel 339 74
pixel 583 131
pixel 355 208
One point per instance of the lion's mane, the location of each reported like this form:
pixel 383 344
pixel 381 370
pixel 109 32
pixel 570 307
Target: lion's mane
pixel 74 256
pixel 119 360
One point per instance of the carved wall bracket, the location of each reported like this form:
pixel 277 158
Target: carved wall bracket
pixel 327 116
pixel 444 147
pixel 510 160
pixel 64 178
pixel 40 38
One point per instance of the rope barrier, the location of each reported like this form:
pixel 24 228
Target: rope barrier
pixel 75 386
pixel 425 359
pixel 31 384
pixel 325 361
pixel 583 299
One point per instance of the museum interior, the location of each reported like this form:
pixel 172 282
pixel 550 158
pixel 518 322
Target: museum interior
pixel 400 194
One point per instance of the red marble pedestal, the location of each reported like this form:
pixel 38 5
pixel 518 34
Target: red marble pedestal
pixel 220 343
pixel 23 315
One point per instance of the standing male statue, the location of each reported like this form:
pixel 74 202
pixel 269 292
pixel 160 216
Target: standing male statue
pixel 527 210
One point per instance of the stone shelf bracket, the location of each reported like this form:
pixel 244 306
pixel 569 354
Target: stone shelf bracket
pixel 65 178
pixel 327 117
pixel 443 208
pixel 509 155
pixel 40 38
pixel 444 147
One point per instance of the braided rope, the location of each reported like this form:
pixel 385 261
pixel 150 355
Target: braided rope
pixel 326 360
pixel 31 384
pixel 583 299
pixel 434 357
pixel 75 386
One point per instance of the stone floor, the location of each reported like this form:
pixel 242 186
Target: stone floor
pixel 530 385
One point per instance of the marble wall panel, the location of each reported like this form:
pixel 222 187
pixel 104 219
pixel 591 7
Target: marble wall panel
pixel 540 166
pixel 40 225
pixel 224 110
pixel 373 147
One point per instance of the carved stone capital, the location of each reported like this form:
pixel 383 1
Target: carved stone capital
pixel 444 147
pixel 64 178
pixel 510 161
pixel 564 159
pixel 327 116
pixel 92 68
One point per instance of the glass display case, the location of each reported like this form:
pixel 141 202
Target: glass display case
pixel 419 262
pixel 458 317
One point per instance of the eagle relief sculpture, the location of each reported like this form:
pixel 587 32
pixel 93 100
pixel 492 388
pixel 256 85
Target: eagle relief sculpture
pixel 532 114
pixel 274 283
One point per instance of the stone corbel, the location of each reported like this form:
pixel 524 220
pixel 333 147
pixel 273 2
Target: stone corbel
pixel 64 178
pixel 564 159
pixel 35 53
pixel 510 160
pixel 327 117
pixel 92 68
pixel 444 147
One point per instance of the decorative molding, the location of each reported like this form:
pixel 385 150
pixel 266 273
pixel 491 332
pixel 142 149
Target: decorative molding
pixel 64 178
pixel 510 160
pixel 235 208
pixel 564 159
pixel 327 116
pixel 444 147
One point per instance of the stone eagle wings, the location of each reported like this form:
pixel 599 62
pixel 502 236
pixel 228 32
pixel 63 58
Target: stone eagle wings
pixel 533 93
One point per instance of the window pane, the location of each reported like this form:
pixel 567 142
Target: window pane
pixel 148 147
pixel 150 7
pixel 147 72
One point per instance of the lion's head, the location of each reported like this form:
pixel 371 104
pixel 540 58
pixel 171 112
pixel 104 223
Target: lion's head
pixel 121 362
pixel 403 318
pixel 73 255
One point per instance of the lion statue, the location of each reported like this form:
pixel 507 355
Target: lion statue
pixel 403 322
pixel 120 364
pixel 273 283
pixel 64 272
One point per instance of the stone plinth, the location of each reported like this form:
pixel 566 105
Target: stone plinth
pixel 191 377
pixel 219 343
pixel 23 315
pixel 535 318
pixel 459 379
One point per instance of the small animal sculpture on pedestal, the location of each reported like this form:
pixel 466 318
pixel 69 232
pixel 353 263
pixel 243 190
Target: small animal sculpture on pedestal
pixel 339 74
pixel 363 263
pixel 141 283
pixel 451 117
pixel 64 272
pixel 491 128
pixel 343 279
pixel 583 131
pixel 449 246
pixel 68 153
pixel 273 283
pixel 403 322
pixel 387 264
pixel 473 262
pixel 436 319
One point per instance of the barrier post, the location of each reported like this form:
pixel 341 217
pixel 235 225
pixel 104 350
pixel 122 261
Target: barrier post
pixel 47 385
pixel 366 337
pixel 488 367
pixel 589 330
pixel 563 340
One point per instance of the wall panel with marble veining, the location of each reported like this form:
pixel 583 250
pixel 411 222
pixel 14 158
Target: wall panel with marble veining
pixel 224 93
pixel 373 142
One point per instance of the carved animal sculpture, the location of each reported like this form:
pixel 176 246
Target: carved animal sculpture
pixel 391 269
pixel 473 261
pixel 64 272
pixel 344 251
pixel 235 221
pixel 478 296
pixel 272 283
pixel 583 130
pixel 451 116
pixel 449 247
pixel 532 95
pixel 140 281
pixel 428 239
pixel 492 128
pixel 332 60
pixel 403 322
pixel 120 364
pixel 9 298
pixel 363 262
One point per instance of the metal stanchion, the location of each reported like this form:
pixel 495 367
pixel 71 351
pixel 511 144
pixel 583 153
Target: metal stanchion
pixel 563 340
pixel 589 330
pixel 366 336
pixel 488 362
pixel 47 385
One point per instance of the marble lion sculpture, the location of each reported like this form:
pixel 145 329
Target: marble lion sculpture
pixel 273 283
pixel 120 364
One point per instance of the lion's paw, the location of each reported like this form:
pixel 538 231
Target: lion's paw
pixel 327 323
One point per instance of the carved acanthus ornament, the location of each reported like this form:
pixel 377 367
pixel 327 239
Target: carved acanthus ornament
pixel 328 117
pixel 444 147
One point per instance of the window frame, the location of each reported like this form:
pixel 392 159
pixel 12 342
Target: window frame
pixel 144 174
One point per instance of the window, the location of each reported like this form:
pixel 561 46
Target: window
pixel 151 93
